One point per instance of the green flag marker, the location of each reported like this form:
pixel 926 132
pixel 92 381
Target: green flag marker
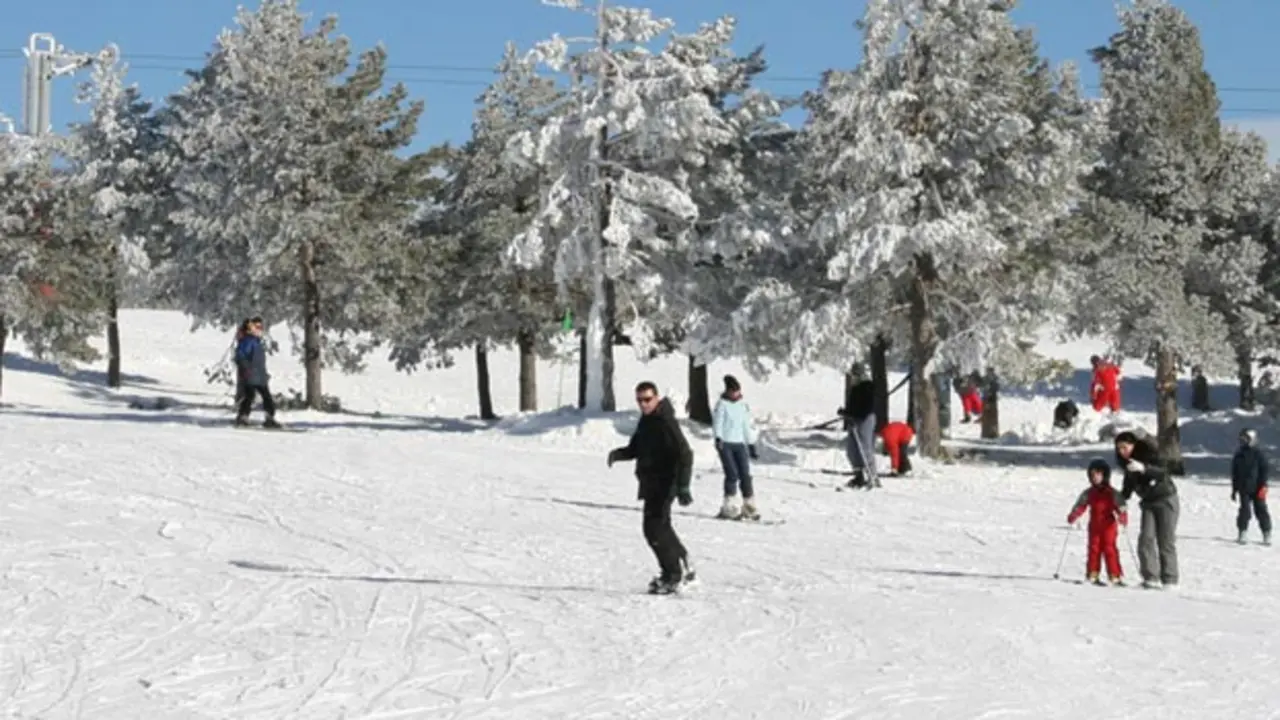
pixel 567 323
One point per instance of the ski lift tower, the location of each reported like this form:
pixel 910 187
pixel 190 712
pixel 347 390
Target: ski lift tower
pixel 46 60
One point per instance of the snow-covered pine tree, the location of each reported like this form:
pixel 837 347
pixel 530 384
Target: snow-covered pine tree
pixel 1150 205
pixel 290 200
pixel 109 186
pixel 1234 264
pixel 940 160
pixel 603 221
pixel 480 300
pixel 29 251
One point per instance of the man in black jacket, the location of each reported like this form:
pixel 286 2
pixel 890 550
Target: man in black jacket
pixel 1145 476
pixel 859 413
pixel 664 469
pixel 1249 486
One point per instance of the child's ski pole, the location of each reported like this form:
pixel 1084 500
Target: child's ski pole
pixel 1062 557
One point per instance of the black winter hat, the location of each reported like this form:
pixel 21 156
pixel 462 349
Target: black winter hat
pixel 1099 464
pixel 731 384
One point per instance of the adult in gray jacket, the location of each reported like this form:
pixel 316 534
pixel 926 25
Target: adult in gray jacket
pixel 1146 477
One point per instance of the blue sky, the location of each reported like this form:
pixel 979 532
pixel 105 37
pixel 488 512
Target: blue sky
pixel 441 49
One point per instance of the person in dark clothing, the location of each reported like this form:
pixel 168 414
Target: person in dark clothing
pixel 1146 477
pixel 1065 414
pixel 664 469
pixel 859 412
pixel 251 364
pixel 1249 485
pixel 241 333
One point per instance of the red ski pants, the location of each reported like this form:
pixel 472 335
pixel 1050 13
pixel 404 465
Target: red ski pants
pixel 972 404
pixel 1107 398
pixel 1102 546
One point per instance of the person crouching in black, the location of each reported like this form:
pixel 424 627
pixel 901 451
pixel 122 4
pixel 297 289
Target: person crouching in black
pixel 664 469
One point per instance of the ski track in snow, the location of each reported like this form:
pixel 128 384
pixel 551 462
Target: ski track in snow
pixel 152 570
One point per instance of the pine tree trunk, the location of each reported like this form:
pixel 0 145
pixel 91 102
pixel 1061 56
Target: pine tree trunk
pixel 608 401
pixel 311 327
pixel 924 343
pixel 113 338
pixel 880 380
pixel 583 376
pixel 1244 371
pixel 699 395
pixel 991 406
pixel 4 339
pixel 482 383
pixel 1167 410
pixel 528 344
pixel 911 398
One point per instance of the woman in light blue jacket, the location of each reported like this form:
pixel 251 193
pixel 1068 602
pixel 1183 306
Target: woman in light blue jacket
pixel 735 435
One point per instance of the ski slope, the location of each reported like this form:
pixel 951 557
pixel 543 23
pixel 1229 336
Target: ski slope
pixel 403 561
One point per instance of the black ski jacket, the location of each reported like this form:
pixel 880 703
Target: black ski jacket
pixel 664 460
pixel 1153 483
pixel 1248 471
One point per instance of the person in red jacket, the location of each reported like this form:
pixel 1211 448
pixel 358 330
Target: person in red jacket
pixel 1106 515
pixel 1104 390
pixel 971 398
pixel 896 437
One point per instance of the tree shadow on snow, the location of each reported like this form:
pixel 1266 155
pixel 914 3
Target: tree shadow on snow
pixel 20 363
pixel 1137 394
pixel 958 574
pixel 298 573
pixel 634 509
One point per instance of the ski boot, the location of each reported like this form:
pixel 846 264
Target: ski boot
pixel 271 424
pixel 242 421
pixel 729 510
pixel 1117 581
pixel 1151 584
pixel 859 480
pixel 1242 538
pixel 688 575
pixel 1096 579
pixel 1266 539
pixel 749 511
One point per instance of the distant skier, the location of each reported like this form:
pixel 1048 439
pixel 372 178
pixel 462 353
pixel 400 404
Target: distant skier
pixel 664 469
pixel 970 392
pixel 735 437
pixel 1065 414
pixel 241 333
pixel 1199 390
pixel 1145 476
pixel 860 415
pixel 251 364
pixel 897 437
pixel 1106 515
pixel 1104 390
pixel 1249 470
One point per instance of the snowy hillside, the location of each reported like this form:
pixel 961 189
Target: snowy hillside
pixel 401 560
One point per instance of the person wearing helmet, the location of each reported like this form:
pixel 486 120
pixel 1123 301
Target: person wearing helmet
pixel 1249 485
pixel 1106 515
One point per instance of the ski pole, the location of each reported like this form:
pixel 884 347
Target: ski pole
pixel 1129 541
pixel 1062 557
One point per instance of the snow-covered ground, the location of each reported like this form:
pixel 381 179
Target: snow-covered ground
pixel 403 561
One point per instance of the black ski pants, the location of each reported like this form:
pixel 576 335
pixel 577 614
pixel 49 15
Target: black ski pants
pixel 662 537
pixel 1250 505
pixel 246 400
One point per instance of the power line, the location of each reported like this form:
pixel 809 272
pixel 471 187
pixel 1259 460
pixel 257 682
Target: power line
pixel 199 60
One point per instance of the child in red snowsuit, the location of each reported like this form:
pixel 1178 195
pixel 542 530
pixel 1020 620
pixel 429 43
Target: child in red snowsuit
pixel 897 436
pixel 1104 390
pixel 1106 515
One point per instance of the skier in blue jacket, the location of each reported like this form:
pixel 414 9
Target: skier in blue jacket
pixel 251 367
pixel 735 436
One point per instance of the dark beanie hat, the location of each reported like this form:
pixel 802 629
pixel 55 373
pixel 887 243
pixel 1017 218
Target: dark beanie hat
pixel 731 384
